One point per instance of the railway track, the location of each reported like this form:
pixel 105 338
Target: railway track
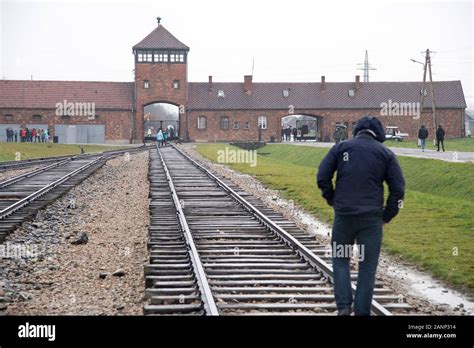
pixel 10 165
pixel 215 250
pixel 23 195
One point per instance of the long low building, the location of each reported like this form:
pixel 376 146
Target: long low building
pixel 162 97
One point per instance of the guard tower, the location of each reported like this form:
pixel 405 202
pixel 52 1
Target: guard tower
pixel 160 83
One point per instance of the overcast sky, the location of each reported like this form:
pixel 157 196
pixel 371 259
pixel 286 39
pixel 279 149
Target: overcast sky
pixel 293 41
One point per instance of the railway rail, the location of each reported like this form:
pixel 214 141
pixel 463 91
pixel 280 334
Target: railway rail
pixel 23 195
pixel 10 165
pixel 216 250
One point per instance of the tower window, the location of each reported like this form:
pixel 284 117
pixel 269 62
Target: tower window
pixel 140 56
pixel 160 56
pixel 224 122
pixel 262 122
pixel 202 122
pixel 146 84
pixel 149 57
pixel 176 84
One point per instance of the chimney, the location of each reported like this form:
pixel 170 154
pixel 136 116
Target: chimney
pixel 357 82
pixel 158 19
pixel 248 84
pixel 323 83
pixel 209 87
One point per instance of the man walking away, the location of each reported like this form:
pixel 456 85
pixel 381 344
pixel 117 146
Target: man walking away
pixel 440 136
pixel 422 135
pixel 362 165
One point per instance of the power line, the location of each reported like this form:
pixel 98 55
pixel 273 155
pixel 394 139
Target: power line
pixel 366 67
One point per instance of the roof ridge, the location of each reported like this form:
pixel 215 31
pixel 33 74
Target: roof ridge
pixel 160 38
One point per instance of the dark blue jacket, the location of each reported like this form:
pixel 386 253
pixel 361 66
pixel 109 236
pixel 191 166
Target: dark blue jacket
pixel 362 164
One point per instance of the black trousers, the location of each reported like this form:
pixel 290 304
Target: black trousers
pixel 442 143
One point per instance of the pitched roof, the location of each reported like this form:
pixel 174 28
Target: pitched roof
pixel 160 38
pixel 448 94
pixel 45 94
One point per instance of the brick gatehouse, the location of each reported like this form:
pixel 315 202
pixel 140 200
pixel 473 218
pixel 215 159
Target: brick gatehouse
pixel 162 96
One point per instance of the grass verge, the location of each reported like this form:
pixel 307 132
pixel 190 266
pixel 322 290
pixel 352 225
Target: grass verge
pixel 34 150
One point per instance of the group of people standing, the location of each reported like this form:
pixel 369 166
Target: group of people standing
pixel 287 132
pixel 423 135
pixel 162 137
pixel 27 135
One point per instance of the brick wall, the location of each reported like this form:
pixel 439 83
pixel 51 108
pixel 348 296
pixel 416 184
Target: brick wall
pixel 451 119
pixel 117 123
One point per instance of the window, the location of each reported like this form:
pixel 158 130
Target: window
pixel 66 117
pixel 286 93
pixel 140 56
pixel 220 93
pixel 247 125
pixel 235 125
pixel 176 57
pixel 8 117
pixel 36 117
pixel 148 57
pixel 176 84
pixel 202 122
pixel 146 84
pixel 224 122
pixel 351 93
pixel 262 122
pixel 160 56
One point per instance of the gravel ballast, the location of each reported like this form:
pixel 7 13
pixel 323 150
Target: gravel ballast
pixel 89 248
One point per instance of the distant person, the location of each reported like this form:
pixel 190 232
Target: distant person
pixel 23 135
pixel 422 135
pixel 46 136
pixel 159 138
pixel 362 165
pixel 33 135
pixel 295 133
pixel 344 134
pixel 165 138
pixel 337 135
pixel 440 136
pixel 16 136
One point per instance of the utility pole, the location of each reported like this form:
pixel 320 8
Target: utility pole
pixel 427 67
pixel 366 67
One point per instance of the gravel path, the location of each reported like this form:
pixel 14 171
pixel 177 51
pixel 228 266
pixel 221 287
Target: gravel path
pixel 15 172
pixel 111 208
pixel 448 156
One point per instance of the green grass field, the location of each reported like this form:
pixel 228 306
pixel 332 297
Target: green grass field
pixel 34 150
pixel 459 144
pixel 434 230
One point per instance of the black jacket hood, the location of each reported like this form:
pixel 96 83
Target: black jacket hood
pixel 373 124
